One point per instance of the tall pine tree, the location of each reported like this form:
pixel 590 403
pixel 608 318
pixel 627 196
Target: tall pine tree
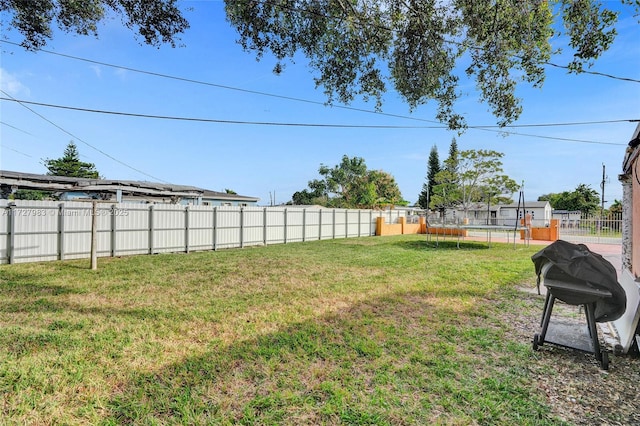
pixel 69 165
pixel 433 167
pixel 453 160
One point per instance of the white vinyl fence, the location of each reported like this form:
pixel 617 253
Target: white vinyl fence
pixel 33 231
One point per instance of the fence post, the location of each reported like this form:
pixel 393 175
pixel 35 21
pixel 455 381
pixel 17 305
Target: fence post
pixel 114 230
pixel 264 226
pixel 346 223
pixel 319 224
pixel 61 231
pixel 94 235
pixel 151 226
pixel 186 229
pixel 11 236
pixel 285 225
pixel 214 236
pixel 304 225
pixel 371 224
pixel 241 227
pixel 333 231
pixel 359 223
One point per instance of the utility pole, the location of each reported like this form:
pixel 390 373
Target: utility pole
pixel 604 179
pixel 602 183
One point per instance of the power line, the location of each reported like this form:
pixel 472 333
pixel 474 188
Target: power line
pixel 4 145
pixel 222 86
pixel 570 123
pixel 272 123
pixel 220 121
pixel 23 104
pixel 15 128
pixel 291 98
pixel 265 123
pixel 597 73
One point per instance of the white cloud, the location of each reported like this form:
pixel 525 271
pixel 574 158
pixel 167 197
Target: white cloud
pixel 97 70
pixel 10 84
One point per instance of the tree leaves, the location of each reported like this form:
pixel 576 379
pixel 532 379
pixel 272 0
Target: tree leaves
pixel 70 165
pixel 471 176
pixel 157 21
pixel 423 49
pixel 583 198
pixel 359 48
pixel 351 185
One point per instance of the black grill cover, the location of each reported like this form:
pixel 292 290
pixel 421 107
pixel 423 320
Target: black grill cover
pixel 577 264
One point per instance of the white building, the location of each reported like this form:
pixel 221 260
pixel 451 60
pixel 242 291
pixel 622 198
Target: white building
pixel 503 214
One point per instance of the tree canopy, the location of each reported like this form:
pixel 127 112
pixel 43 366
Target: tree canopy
pixel 583 198
pixel 70 165
pixel 472 176
pixel 422 48
pixel 362 48
pixel 351 185
pixel 157 21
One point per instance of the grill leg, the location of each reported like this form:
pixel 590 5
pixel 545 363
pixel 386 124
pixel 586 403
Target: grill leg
pixel 546 316
pixel 544 309
pixel 593 333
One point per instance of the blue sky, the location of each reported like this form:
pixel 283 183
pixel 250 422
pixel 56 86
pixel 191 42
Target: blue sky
pixel 262 160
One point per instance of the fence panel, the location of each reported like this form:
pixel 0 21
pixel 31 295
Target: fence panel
pixel 200 228
pixel 253 226
pixel 228 227
pixel 128 226
pixel 34 231
pixel 295 225
pixel 273 223
pixel 169 223
pixel 312 224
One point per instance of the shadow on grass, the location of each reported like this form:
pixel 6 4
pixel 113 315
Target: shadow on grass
pixel 383 361
pixel 441 245
pixel 30 285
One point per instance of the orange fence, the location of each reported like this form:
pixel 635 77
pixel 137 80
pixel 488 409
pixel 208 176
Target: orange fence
pixel 402 227
pixel 548 233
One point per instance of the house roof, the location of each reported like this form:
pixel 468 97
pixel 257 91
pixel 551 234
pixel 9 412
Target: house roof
pixel 226 196
pixel 66 184
pixel 527 204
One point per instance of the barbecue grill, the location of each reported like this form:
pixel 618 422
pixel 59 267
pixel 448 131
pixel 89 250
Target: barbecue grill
pixel 575 275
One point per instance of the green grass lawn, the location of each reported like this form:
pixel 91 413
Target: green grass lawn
pixel 383 330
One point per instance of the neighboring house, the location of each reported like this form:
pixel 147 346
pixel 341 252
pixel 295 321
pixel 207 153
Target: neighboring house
pixel 120 191
pixel 476 213
pixel 540 211
pixel 567 218
pixel 504 214
pixel 213 198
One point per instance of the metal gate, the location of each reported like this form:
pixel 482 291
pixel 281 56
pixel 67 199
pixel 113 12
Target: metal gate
pixel 605 229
